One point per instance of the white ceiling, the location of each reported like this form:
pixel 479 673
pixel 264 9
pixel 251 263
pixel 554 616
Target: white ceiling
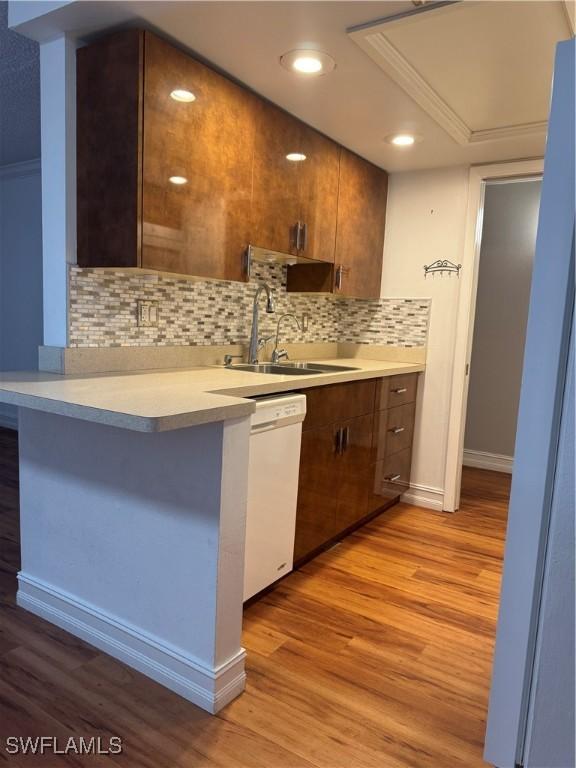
pixel 358 104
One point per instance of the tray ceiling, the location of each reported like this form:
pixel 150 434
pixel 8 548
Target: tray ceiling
pixel 481 70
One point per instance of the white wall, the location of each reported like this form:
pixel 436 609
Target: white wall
pixel 425 222
pixel 505 275
pixel 20 271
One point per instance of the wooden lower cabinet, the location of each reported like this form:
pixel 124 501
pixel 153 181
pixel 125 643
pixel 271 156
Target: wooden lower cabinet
pixel 316 516
pixel 355 458
pixel 354 467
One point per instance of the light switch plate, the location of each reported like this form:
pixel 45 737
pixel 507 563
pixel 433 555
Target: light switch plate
pixel 147 313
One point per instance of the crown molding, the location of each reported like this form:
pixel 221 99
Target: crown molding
pixel 389 59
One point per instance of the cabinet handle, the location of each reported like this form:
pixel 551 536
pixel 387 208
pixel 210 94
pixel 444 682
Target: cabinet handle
pixel 304 231
pixel 392 478
pixel 396 430
pixel 400 391
pixel 338 278
pixel 296 235
pixel 338 442
pixel 345 438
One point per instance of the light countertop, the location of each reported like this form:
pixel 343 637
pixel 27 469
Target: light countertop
pixel 171 399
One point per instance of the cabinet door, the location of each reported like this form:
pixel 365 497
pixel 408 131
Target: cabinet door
pixel 199 227
pixel 108 150
pixel 319 473
pixel 275 193
pixel 360 228
pixel 354 474
pixel 318 193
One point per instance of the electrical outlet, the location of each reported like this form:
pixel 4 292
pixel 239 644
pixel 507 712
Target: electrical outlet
pixel 147 313
pixel 305 321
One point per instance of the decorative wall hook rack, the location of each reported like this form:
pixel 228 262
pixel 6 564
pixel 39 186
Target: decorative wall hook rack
pixel 442 267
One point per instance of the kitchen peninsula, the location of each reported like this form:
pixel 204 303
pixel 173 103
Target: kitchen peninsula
pixel 133 503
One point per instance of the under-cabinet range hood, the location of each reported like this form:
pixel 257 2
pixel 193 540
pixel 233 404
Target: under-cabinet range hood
pixel 266 255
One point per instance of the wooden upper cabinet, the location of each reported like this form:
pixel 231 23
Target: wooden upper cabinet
pixel 133 137
pixel 109 150
pixel 360 229
pixel 229 149
pixel 318 195
pixel 200 227
pixel 356 265
pixel 294 202
pixel 275 190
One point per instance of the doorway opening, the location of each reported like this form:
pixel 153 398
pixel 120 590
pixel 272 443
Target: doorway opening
pixel 503 204
pixel 507 249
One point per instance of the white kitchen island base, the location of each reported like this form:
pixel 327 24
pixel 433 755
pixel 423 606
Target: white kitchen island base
pixel 134 542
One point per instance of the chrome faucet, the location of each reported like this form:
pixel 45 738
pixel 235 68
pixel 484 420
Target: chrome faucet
pixel 254 340
pixel 280 354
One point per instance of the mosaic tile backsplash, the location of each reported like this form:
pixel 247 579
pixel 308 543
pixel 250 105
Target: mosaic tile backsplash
pixel 103 312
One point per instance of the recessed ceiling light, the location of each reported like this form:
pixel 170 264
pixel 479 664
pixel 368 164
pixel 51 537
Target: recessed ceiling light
pixel 308 65
pixel 178 180
pixel 295 157
pixel 180 94
pixel 308 62
pixel 403 139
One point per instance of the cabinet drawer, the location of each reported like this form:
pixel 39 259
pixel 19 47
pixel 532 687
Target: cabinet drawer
pixel 393 430
pixel 396 390
pixel 338 402
pixel 391 478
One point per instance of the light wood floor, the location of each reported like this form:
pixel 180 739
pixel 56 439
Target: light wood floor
pixel 375 655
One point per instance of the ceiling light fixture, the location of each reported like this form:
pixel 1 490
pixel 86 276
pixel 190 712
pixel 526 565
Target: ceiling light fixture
pixel 308 65
pixel 295 157
pixel 403 139
pixel 180 94
pixel 178 180
pixel 308 62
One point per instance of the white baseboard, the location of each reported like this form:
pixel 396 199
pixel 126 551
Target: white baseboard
pixel 424 496
pixel 8 416
pixel 209 688
pixel 494 461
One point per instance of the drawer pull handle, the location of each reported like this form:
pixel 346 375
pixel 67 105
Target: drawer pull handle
pixel 392 478
pixel 396 430
pixel 400 391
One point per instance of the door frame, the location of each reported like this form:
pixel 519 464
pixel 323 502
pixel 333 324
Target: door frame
pixel 480 176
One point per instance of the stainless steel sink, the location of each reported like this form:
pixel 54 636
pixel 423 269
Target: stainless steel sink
pixel 291 369
pixel 283 370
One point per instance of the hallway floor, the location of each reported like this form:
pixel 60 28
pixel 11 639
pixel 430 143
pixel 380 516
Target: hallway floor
pixel 375 655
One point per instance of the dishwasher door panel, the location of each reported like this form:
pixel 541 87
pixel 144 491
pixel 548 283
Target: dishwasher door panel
pixel 271 514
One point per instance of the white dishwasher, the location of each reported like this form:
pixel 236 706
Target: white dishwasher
pixel 274 467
